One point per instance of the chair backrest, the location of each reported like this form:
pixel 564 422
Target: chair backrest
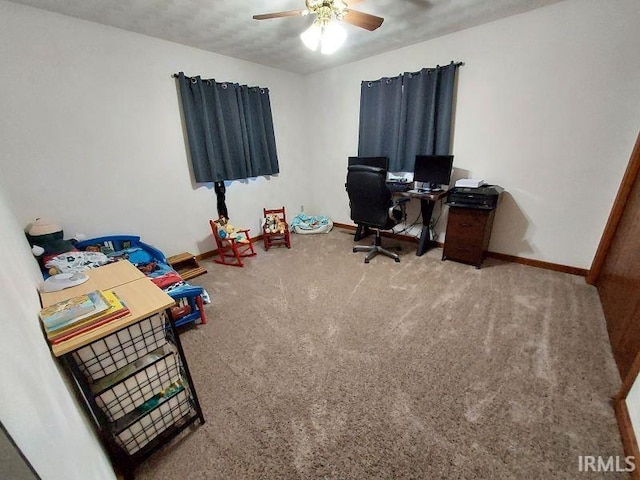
pixel 220 242
pixel 280 212
pixel 369 197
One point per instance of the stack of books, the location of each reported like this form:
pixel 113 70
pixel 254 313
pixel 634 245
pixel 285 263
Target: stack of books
pixel 77 315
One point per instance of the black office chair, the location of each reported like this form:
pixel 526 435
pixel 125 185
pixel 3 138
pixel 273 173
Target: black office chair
pixel 372 205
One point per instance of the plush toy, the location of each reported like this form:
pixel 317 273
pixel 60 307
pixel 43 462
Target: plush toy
pixel 226 230
pixel 272 224
pixel 46 240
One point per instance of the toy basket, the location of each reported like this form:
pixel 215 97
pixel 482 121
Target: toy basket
pixel 108 354
pixel 170 413
pixel 125 396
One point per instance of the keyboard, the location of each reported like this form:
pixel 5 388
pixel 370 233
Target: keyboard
pixel 398 186
pixel 424 190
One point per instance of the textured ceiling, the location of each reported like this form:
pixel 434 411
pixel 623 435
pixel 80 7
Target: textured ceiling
pixel 226 26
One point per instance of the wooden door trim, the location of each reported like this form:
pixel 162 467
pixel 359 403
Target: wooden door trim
pixel 620 203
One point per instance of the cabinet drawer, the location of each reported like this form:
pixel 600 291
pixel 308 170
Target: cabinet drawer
pixel 467 224
pixel 459 249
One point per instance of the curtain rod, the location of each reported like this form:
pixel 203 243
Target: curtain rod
pixel 457 64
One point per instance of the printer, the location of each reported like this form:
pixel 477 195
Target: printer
pixel 484 197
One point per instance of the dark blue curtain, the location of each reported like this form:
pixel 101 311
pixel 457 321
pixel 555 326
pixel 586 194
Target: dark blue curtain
pixel 261 140
pixel 229 128
pixel 427 106
pixel 380 115
pixel 420 117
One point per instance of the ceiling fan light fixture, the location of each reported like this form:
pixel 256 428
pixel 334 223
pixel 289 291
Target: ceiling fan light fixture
pixel 329 35
pixel 311 36
pixel 333 36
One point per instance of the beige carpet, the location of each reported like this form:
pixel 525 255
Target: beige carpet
pixel 316 365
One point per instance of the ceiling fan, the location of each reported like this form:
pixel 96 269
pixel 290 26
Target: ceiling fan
pixel 325 30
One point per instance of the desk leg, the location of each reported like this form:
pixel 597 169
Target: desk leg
pixel 425 243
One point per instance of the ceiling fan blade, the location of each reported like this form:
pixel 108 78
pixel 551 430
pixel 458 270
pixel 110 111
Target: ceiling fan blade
pixel 289 13
pixel 363 20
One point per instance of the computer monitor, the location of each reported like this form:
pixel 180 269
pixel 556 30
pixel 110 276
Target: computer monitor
pixel 433 170
pixel 380 162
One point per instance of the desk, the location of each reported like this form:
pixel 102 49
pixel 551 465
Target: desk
pixel 103 278
pixel 427 202
pixel 132 371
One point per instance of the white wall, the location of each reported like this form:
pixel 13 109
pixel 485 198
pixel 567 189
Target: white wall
pixel 91 133
pixel 548 107
pixel 36 405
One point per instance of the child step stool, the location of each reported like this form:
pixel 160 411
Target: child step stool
pixel 186 265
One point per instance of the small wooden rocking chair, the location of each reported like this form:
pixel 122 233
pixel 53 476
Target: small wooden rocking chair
pixel 231 252
pixel 276 238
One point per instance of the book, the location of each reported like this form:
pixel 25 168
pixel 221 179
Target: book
pixel 115 309
pixel 100 304
pixel 85 328
pixel 66 310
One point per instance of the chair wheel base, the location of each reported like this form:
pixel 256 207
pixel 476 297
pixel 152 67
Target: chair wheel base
pixel 374 250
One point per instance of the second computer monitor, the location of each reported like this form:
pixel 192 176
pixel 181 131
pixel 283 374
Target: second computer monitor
pixel 433 170
pixel 380 162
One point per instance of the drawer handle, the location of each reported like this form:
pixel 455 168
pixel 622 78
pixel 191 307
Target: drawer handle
pixel 466 224
pixel 462 249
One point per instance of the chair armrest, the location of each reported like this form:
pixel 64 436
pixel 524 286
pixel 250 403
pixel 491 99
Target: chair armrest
pixel 246 233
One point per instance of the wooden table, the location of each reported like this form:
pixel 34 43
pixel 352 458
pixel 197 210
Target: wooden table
pixel 141 295
pixel 102 278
